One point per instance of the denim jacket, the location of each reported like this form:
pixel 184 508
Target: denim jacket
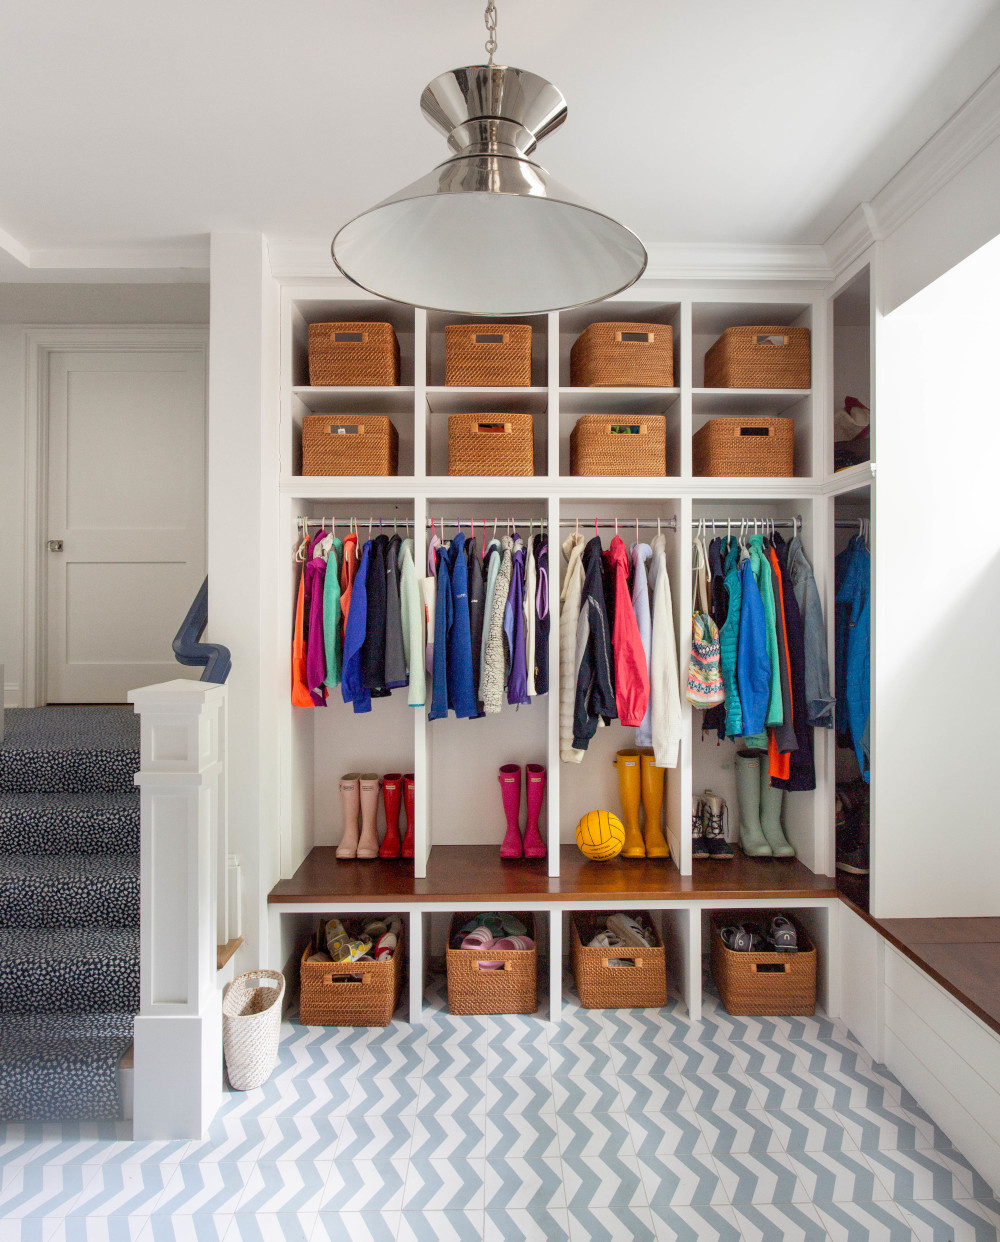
pixel 819 701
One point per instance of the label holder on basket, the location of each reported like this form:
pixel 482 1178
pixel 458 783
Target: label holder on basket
pixel 771 340
pixel 494 965
pixel 492 429
pixel 635 338
pixel 770 968
pixel 490 338
pixel 754 431
pixel 350 338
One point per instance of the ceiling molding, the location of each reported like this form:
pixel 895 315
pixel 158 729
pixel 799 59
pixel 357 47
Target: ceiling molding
pixel 847 244
pixel 14 248
pixel 148 258
pixel 298 259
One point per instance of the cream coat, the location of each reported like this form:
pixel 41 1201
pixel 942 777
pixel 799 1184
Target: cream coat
pixel 664 682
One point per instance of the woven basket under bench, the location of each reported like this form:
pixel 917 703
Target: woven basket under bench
pixel 476 988
pixel 763 984
pixel 642 984
pixel 350 993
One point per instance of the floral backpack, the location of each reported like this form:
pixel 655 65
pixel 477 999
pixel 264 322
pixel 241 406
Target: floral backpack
pixel 704 678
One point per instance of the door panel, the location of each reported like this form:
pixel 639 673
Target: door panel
pixel 126 496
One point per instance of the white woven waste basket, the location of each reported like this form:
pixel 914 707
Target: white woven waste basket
pixel 251 1018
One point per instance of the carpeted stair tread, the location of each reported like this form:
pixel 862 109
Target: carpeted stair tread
pixel 69 749
pixel 96 890
pixel 69 823
pixel 57 1066
pixel 68 970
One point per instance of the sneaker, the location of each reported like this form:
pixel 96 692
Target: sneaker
pixel 782 935
pixel 630 930
pixel 716 821
pixel 855 861
pixel 698 849
pixel 744 938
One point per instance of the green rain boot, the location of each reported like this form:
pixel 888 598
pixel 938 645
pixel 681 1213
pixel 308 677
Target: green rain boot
pixel 770 815
pixel 748 786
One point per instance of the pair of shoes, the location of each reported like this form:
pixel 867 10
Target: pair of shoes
pixel 385 936
pixel 359 803
pixel 709 825
pixel 761 833
pixel 531 845
pixel 640 778
pixel 853 828
pixel 748 937
pixel 341 947
pixel 630 931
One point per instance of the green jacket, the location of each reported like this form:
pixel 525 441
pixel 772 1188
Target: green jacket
pixel 762 574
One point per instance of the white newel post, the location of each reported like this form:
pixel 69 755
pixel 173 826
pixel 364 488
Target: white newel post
pixel 178 1032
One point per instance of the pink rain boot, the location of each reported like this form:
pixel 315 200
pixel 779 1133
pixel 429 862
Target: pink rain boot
pixel 534 846
pixel 368 843
pixel 510 790
pixel 350 800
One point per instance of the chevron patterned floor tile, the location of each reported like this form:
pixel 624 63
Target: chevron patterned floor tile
pixel 229 1140
pixel 582 1026
pixel 526 1225
pixel 727 1091
pixel 301 1138
pixel 789 1089
pixel 759 1179
pixel 284 1186
pixel 87 1229
pixel 186 1228
pixel 737 1130
pixel 41 1191
pixel 356 1227
pixel 372 1097
pixel 365 1186
pixel 703 1057
pixel 444 1097
pixel 443 1185
pixel 393 1060
pixel 266 1227
pixel 837 1177
pixel 457 1057
pixel 203 1189
pixel 633 1224
pixel 787 1222
pixel 40 1152
pixel 572 1095
pixel 633 1026
pixel 507 1054
pixel 602 1182
pixel 655 1134
pixel 440 1227
pixel 811 1129
pixel 580 1059
pixel 875 1222
pixel 522 1182
pixel 643 1094
pixel 444 1135
pixel 680 1181
pixel 637 1058
pixel 770 1056
pixel 889 1128
pixel 126 1190
pixel 695 1224
pixel 595 1134
pixel 954 1220
pixel 372 1138
pixel 521 1095
pixel 927 1175
pixel 524 1134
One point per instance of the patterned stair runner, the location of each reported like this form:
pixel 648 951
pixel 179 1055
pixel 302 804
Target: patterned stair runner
pixel 69 910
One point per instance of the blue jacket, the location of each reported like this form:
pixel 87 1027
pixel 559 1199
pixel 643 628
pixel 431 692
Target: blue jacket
pixel 351 682
pixel 753 665
pixel 853 647
pixel 461 691
pixel 443 616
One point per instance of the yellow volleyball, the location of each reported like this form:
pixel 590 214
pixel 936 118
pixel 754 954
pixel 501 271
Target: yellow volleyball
pixel 600 835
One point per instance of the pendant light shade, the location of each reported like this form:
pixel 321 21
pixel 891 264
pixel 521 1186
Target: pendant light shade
pixel 489 232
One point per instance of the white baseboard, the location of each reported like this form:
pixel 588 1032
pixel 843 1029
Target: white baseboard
pixel 11 694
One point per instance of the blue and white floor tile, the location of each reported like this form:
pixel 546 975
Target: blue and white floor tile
pixel 614 1126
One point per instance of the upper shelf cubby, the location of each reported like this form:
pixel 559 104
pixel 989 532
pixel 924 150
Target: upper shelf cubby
pixel 708 322
pixel 852 373
pixel 573 322
pixel 437 321
pixel 306 311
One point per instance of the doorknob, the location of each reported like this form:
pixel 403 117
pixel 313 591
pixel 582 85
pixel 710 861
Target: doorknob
pixel 55 545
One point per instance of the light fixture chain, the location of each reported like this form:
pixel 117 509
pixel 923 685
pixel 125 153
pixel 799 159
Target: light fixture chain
pixel 491 30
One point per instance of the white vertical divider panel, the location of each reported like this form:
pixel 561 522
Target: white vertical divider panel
pixel 423 741
pixel 415 964
pixel 419 395
pixel 821 403
pixel 683 775
pixel 552 749
pixel 821 512
pixel 685 382
pixel 178 1031
pixel 555 919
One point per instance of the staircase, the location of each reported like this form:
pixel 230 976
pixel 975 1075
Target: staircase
pixel 69 910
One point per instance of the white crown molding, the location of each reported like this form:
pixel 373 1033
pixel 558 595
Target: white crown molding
pixel 300 259
pixel 14 248
pixel 128 263
pixel 847 244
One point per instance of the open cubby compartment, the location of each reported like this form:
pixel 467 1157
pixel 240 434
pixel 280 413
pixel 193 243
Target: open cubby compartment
pixel 329 741
pixel 737 403
pixel 852 349
pixel 710 319
pixel 394 403
pixel 619 404
pixel 714 762
pixel 592 784
pixel 491 402
pixel 464 756
pixel 358 307
pixel 437 321
pixel 622 309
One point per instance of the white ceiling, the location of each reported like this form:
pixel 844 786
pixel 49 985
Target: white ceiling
pixel 129 124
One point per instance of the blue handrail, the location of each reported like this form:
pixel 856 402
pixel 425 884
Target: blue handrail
pixel 188 650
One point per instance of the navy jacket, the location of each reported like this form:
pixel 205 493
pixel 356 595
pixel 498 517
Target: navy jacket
pixel 595 683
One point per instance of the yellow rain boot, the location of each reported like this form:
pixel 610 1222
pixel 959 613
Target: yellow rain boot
pixel 629 780
pixel 652 805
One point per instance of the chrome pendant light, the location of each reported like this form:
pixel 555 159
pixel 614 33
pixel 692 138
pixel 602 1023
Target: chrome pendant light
pixel 489 232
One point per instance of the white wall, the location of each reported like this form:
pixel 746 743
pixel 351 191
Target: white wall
pixel 937 567
pixel 22 305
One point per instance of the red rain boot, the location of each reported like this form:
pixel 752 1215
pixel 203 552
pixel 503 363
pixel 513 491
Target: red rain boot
pixel 534 846
pixel 509 777
pixel 392 794
pixel 409 807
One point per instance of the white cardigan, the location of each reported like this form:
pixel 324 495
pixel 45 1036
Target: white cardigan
pixel 664 685
pixel 569 616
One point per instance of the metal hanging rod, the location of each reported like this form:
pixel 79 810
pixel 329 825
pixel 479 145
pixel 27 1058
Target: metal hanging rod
pixel 382 522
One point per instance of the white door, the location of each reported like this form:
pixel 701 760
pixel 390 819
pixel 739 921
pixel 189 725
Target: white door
pixel 125 537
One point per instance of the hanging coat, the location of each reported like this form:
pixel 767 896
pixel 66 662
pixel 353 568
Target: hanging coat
pixel 819 701
pixel 395 658
pixel 461 693
pixel 784 736
pixel 640 553
pixel 595 682
pixel 664 682
pixel 428 590
pixel 542 615
pixel 513 625
pixel 442 624
pixel 530 620
pixel 300 691
pixel 569 615
pixel 762 576
pixel 477 603
pixel 348 572
pixel 715 717
pixel 853 648
pixel 493 675
pixel 315 645
pixel 333 635
pixel 802 770
pixel 729 639
pixel 491 567
pixel 373 652
pixel 753 667
pixel 411 608
pixel 352 686
pixel 631 677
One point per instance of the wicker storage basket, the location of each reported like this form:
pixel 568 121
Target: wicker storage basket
pixel 640 985
pixel 349 444
pixel 251 1019
pixel 623 355
pixel 350 993
pixel 763 984
pixel 762 356
pixel 475 989
pixel 601 444
pixel 745 447
pixel 488 355
pixel 363 354
pixel 491 444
